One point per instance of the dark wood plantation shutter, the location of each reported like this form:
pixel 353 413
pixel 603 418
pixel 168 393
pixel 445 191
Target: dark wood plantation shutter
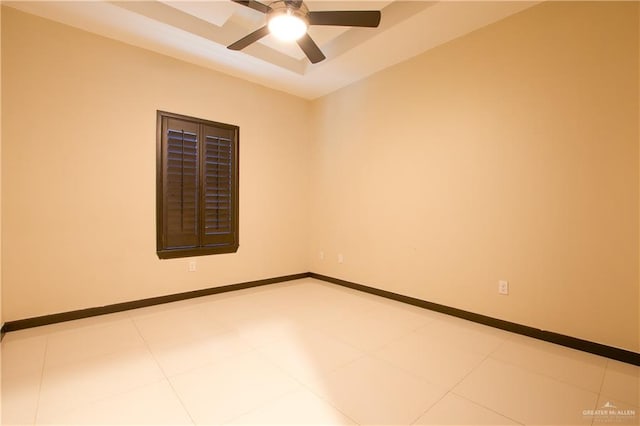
pixel 197 186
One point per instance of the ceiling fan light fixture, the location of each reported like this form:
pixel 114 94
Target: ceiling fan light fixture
pixel 290 19
pixel 287 23
pixel 287 27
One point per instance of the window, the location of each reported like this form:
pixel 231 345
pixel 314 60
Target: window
pixel 197 186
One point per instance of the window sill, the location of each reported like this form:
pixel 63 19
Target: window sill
pixel 191 252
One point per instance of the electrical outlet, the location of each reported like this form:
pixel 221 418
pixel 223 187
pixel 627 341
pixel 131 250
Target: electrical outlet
pixel 321 255
pixel 340 258
pixel 503 287
pixel 192 266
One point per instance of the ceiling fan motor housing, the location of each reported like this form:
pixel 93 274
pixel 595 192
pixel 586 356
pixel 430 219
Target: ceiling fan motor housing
pixel 282 7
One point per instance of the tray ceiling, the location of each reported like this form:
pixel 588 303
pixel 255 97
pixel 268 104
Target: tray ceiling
pixel 199 31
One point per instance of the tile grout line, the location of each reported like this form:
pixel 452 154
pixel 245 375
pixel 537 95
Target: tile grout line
pixel 488 408
pixel 166 378
pixel 450 389
pixel 430 407
pixel 526 370
pixel 303 384
pixel 111 353
pixel 484 357
pixel 487 357
pixel 604 375
pixel 544 374
pixel 327 401
pixel 44 361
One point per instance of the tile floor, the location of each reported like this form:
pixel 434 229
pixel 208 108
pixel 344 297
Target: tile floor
pixel 302 352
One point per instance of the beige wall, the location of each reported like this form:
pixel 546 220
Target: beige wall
pixel 79 115
pixel 510 153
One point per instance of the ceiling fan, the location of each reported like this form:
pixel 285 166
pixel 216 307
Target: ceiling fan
pixel 289 20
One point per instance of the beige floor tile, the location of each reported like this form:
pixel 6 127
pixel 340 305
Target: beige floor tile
pixel 19 399
pixel 435 362
pixel 278 297
pixel 300 407
pixel 622 381
pixel 365 332
pixel 567 365
pixel 525 396
pixel 177 325
pixel 404 314
pixel 342 296
pixel 229 308
pixel 266 329
pixel 82 343
pixel 325 305
pixel 309 354
pixel 171 306
pixel 371 391
pixel 309 315
pixel 154 404
pixel 69 386
pixel 465 335
pixel 218 393
pixel 455 410
pixel 180 356
pixel 23 356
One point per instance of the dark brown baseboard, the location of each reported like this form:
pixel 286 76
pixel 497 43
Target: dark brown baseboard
pixel 143 303
pixel 548 336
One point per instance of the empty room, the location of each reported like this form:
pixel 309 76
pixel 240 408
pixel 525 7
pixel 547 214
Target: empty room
pixel 320 212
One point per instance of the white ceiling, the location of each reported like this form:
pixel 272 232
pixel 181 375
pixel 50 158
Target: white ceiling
pixel 199 31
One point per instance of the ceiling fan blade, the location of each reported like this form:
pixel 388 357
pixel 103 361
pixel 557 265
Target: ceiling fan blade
pixel 255 5
pixel 251 38
pixel 346 18
pixel 311 49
